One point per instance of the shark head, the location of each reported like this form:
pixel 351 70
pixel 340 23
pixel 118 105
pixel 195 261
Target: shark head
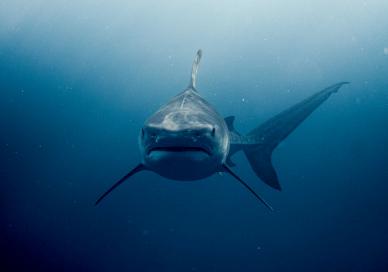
pixel 185 139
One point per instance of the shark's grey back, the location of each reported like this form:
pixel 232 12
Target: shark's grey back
pixel 185 111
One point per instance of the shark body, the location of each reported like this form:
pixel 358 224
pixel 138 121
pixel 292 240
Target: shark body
pixel 187 139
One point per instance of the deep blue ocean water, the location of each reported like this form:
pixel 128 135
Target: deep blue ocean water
pixel 78 79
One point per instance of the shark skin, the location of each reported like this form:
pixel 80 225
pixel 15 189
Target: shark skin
pixel 187 139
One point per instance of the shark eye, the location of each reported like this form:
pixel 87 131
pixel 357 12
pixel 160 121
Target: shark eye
pixel 213 131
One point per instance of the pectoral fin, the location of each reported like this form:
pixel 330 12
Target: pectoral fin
pixel 138 168
pixel 228 170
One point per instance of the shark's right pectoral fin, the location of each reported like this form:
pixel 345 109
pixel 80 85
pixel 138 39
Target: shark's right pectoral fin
pixel 138 168
pixel 229 171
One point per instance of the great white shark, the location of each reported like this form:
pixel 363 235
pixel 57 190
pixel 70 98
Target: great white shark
pixel 187 139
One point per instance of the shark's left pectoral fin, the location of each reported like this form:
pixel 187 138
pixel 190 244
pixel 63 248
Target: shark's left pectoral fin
pixel 135 170
pixel 228 170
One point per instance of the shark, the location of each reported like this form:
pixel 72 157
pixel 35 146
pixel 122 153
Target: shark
pixel 187 139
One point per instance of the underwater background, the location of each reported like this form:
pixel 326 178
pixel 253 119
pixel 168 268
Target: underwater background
pixel 78 79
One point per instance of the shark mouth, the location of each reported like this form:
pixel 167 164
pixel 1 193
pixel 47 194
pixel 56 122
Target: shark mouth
pixel 179 149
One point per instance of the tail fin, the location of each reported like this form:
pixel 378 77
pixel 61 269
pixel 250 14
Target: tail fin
pixel 261 141
pixel 259 158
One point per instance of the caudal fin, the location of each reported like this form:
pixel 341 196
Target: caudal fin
pixel 260 159
pixel 261 141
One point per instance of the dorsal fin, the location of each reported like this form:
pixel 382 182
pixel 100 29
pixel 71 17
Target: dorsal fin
pixel 194 70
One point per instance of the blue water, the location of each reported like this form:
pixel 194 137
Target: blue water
pixel 77 81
